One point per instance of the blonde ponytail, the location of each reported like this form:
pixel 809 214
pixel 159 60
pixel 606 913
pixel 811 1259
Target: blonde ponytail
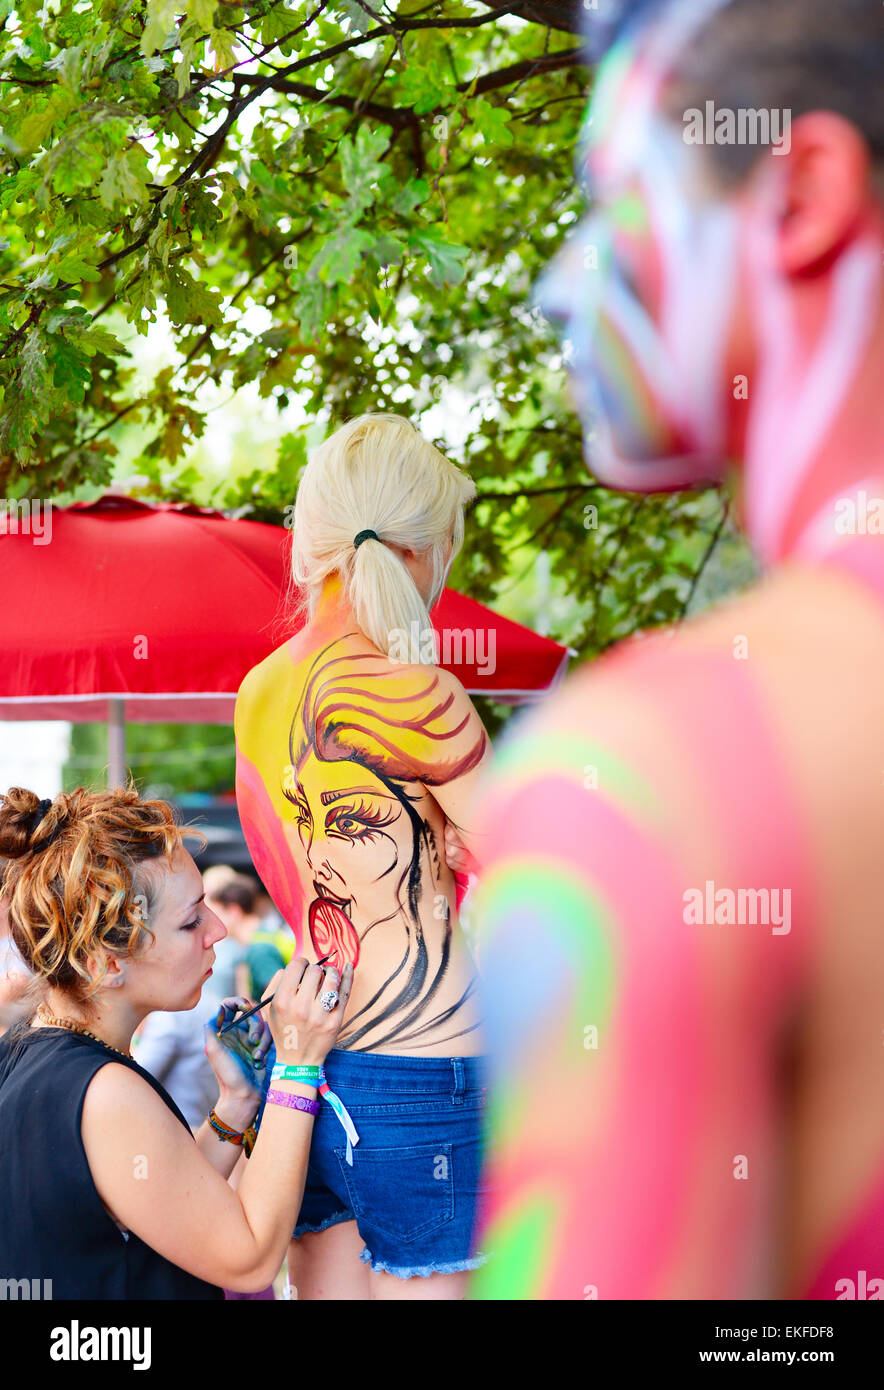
pixel 378 473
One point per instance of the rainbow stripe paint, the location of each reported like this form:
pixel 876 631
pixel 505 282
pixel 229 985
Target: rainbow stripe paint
pixel 614 1091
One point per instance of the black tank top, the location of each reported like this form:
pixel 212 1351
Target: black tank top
pixel 53 1224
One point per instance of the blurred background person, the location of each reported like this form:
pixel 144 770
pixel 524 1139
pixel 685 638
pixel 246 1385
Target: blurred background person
pixel 172 1047
pixel 230 975
pixel 259 957
pixel 272 925
pixel 216 875
pixel 681 907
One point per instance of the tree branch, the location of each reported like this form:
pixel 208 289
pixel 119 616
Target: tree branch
pixel 707 556
pixel 402 117
pixel 398 117
pixel 536 492
pixel 549 62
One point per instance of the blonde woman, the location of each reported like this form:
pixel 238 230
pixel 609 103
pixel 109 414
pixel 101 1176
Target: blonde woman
pixel 351 765
pixel 104 1191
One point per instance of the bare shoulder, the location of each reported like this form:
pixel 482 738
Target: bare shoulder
pixel 445 715
pixel 453 701
pixel 409 721
pixel 797 611
pixel 802 624
pixel 116 1095
pixel 259 677
pixel 268 696
pixel 793 669
pixel 355 678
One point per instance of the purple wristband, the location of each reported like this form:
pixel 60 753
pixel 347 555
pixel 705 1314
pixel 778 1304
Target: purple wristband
pixel 294 1102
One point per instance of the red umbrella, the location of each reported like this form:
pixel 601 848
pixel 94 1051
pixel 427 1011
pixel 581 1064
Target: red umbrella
pixel 158 610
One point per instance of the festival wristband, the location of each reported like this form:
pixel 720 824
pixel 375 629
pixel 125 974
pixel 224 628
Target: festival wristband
pixel 312 1107
pixel 342 1113
pixel 309 1075
pixel 245 1137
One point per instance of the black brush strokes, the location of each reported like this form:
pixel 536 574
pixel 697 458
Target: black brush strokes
pixel 409 1005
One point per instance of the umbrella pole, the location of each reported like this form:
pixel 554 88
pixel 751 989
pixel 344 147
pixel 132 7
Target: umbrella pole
pixel 116 743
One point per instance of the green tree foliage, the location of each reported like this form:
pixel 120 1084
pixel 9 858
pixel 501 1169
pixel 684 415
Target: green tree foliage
pixel 386 185
pixel 165 759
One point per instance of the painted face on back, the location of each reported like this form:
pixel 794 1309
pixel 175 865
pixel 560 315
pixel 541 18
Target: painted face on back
pixel 358 841
pixel 644 292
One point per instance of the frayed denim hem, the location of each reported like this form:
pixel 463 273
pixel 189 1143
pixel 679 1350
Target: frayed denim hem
pixel 334 1220
pixel 419 1271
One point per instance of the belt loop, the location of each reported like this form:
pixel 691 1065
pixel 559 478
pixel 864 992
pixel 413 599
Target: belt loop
pixel 457 1093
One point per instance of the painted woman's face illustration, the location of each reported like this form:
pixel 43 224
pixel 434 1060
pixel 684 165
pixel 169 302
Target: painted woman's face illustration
pixel 358 841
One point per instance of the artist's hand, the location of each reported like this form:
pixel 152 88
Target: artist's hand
pixel 303 1031
pixel 239 1058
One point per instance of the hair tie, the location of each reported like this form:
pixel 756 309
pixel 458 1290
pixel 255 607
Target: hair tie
pixel 364 536
pixel 37 816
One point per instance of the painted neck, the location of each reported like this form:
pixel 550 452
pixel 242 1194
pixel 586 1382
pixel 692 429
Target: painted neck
pixel 333 612
pixel 815 441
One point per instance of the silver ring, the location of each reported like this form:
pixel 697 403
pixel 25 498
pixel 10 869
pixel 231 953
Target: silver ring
pixel 329 1000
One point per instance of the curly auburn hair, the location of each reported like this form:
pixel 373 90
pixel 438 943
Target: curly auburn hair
pixel 73 885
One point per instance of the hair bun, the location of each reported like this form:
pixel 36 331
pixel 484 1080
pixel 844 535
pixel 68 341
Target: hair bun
pixel 21 811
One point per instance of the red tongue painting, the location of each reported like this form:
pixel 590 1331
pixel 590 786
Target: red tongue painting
pixel 332 933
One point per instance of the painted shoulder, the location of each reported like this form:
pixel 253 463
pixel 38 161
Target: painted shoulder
pixel 258 678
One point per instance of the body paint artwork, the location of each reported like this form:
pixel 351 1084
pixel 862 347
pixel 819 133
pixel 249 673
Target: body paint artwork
pixel 650 386
pixel 797 404
pixel 650 402
pixel 612 1031
pixel 363 736
pixel 638 1061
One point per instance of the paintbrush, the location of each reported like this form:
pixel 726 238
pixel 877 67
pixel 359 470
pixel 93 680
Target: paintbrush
pixel 269 1000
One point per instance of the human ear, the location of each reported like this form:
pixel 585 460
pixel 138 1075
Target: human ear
pixel 825 190
pixel 115 975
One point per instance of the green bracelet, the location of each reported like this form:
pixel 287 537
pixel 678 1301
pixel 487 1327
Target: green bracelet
pixel 309 1075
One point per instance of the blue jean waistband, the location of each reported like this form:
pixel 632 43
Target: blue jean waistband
pixel 381 1071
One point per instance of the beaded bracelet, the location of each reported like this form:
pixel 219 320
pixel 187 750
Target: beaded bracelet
pixel 282 1072
pixel 244 1137
pixel 312 1107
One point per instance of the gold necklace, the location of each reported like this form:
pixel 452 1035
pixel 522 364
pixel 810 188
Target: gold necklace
pixel 73 1027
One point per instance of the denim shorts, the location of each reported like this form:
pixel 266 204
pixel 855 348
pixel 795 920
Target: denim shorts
pixel 414 1184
